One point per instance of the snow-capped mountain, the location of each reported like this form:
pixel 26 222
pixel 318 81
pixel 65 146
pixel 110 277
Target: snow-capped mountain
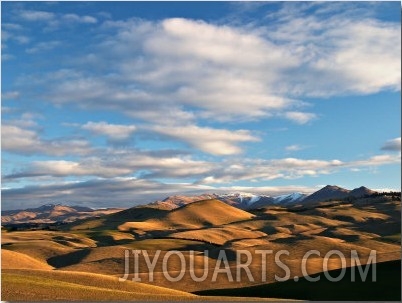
pixel 240 200
pixel 243 200
pixel 290 198
pixel 246 201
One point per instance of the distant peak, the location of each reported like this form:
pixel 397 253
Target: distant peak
pixel 361 191
pixel 363 187
pixel 49 205
pixel 333 187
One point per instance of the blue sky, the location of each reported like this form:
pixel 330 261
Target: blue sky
pixel 118 104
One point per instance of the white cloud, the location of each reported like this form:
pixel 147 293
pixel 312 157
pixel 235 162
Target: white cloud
pixel 12 26
pixel 299 117
pixel 219 44
pixel 340 54
pixel 113 163
pixel 61 168
pixel 287 168
pixel 32 15
pixel 209 140
pixel 227 72
pixel 79 19
pixel 392 145
pixel 7 57
pixel 163 65
pixel 10 95
pixel 12 36
pixel 367 49
pixel 113 131
pixel 23 141
pixel 43 46
pixel 294 147
pixel 377 160
pixel 17 139
pixel 54 20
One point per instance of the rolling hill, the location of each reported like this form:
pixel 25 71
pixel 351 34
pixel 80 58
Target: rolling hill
pixel 207 227
pixel 196 215
pixel 17 260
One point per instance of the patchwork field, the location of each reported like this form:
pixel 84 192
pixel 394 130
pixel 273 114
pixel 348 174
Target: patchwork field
pixel 85 259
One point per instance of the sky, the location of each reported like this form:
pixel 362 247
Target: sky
pixel 118 104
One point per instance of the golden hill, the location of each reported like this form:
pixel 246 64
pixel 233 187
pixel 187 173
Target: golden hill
pixel 15 260
pixel 208 213
pixel 112 221
pixel 205 213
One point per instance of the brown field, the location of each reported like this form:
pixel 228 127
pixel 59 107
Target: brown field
pixel 86 258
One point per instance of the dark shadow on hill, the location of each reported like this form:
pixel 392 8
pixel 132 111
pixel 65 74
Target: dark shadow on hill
pixel 106 240
pixel 379 227
pixel 112 221
pixel 72 258
pixel 387 286
pixel 292 239
pixel 331 233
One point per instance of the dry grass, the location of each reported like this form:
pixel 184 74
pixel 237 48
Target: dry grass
pixel 12 259
pixel 44 245
pixel 40 250
pixel 142 228
pixel 218 235
pixel 350 214
pixel 58 285
pixel 26 285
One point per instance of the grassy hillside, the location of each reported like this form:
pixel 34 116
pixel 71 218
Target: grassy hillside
pixel 45 285
pixel 61 285
pixel 13 259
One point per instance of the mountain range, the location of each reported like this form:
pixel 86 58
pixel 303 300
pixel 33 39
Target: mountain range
pixel 247 201
pixel 51 213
